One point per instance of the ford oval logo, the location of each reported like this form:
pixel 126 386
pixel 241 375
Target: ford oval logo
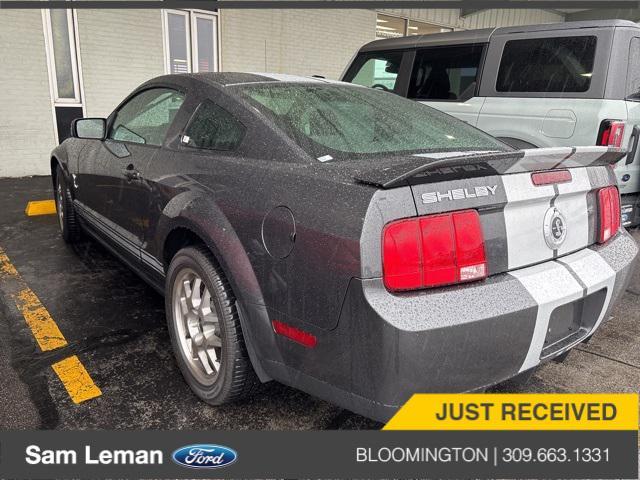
pixel 204 456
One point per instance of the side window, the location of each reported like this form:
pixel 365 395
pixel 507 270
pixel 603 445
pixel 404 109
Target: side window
pixel 633 76
pixel 560 64
pixel 213 128
pixel 378 70
pixel 445 73
pixel 146 118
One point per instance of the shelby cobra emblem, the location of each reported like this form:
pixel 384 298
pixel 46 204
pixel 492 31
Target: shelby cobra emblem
pixel 555 228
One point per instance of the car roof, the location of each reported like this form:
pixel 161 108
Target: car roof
pixel 483 35
pixel 227 79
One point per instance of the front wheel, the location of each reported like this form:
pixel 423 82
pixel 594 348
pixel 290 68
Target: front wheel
pixel 205 328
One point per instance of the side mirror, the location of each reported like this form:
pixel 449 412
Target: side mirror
pixel 89 128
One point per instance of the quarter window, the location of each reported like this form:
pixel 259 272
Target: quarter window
pixel 146 118
pixel 561 64
pixel 213 128
pixel 445 73
pixel 633 77
pixel 378 70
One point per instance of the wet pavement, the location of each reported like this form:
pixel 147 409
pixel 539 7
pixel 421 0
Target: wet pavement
pixel 115 324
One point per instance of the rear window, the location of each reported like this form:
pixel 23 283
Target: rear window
pixel 445 73
pixel 560 64
pixel 334 122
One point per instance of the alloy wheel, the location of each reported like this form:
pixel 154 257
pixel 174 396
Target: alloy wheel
pixel 197 326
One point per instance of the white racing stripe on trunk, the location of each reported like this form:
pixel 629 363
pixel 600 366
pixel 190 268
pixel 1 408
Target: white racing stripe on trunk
pixel 524 216
pixel 595 273
pixel 551 285
pixel 572 203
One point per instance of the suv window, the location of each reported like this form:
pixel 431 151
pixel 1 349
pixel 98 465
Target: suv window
pixel 561 64
pixel 213 128
pixel 633 77
pixel 146 118
pixel 379 70
pixel 445 73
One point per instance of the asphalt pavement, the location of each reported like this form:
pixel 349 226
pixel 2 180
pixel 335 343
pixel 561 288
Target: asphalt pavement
pixel 115 325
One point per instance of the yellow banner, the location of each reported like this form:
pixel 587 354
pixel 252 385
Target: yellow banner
pixel 519 411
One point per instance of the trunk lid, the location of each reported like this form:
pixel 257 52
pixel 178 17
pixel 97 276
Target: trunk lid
pixel 523 223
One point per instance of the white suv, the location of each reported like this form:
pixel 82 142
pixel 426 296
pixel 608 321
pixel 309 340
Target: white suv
pixel 565 84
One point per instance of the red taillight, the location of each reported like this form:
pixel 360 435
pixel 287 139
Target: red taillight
pixel 609 213
pixel 552 176
pixel 432 251
pixel 611 133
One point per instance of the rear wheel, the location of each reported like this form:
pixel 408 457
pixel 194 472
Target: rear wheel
pixel 205 328
pixel 67 219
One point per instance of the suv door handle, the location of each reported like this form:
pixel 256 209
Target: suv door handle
pixel 130 173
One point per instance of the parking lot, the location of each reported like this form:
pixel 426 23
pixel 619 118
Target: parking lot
pixel 115 325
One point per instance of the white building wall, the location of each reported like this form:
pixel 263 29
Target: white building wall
pixel 119 50
pixel 302 42
pixel 26 119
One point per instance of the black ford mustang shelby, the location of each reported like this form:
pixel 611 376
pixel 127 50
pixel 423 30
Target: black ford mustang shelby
pixel 343 240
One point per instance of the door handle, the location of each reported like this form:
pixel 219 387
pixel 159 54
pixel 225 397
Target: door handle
pixel 130 173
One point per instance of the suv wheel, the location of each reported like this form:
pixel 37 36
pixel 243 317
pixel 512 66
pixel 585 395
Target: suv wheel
pixel 67 219
pixel 205 328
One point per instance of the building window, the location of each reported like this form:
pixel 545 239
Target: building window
pixel 61 52
pixel 421 28
pixel 63 64
pixel 390 27
pixel 191 41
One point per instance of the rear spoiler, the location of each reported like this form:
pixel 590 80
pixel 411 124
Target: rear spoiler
pixel 432 167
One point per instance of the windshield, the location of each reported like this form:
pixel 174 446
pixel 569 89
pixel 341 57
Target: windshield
pixel 338 122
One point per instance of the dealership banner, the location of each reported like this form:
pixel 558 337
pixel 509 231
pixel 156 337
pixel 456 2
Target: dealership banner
pixel 517 436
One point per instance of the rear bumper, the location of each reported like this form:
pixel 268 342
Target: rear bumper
pixel 387 347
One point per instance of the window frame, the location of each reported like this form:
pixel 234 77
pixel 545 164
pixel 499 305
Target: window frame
pixel 183 131
pixel 194 40
pixel 76 100
pixel 114 115
pixel 190 18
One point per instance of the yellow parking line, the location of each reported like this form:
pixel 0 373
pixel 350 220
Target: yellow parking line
pixel 40 207
pixel 76 379
pixel 70 371
pixel 6 268
pixel 46 331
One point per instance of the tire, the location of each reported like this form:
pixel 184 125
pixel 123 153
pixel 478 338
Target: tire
pixel 198 340
pixel 67 217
